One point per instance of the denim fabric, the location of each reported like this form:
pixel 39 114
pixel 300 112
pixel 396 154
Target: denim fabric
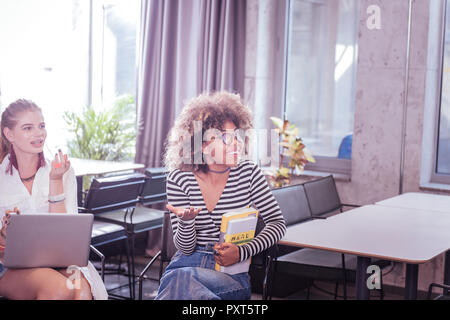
pixel 3 270
pixel 192 277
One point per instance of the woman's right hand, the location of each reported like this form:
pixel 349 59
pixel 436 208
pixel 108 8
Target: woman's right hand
pixel 6 220
pixel 184 213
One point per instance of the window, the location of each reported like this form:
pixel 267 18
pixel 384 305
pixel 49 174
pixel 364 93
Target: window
pixel 443 141
pixel 114 28
pixel 67 54
pixel 321 48
pixel 44 58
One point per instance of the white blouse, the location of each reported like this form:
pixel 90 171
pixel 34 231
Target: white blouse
pixel 13 193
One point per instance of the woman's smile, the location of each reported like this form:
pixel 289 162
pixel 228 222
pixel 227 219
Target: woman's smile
pixel 38 143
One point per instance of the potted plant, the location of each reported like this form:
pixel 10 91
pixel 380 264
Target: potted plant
pixel 104 135
pixel 292 148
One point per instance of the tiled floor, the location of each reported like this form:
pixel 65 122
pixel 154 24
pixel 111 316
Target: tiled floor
pixel 120 282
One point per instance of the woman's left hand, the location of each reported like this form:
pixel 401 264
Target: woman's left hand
pixel 228 254
pixel 60 165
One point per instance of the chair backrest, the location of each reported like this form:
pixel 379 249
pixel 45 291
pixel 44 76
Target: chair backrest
pixel 260 259
pixel 322 196
pixel 168 248
pixel 112 193
pixel 154 189
pixel 293 203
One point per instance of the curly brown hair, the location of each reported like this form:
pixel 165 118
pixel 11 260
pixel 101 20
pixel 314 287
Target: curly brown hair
pixel 211 111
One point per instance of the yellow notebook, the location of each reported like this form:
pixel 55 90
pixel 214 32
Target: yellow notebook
pixel 238 227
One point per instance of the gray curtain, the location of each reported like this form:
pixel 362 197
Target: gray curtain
pixel 186 47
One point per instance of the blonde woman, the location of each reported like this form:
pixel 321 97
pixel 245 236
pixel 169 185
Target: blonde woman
pixel 31 184
pixel 207 179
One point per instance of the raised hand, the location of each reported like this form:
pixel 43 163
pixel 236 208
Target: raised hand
pixel 184 213
pixel 60 165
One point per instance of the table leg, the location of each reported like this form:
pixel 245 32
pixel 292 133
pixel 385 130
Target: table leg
pixel 80 191
pixel 362 291
pixel 412 274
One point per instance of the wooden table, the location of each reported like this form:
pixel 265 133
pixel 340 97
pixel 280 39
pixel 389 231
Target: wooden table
pixel 86 167
pixel 375 231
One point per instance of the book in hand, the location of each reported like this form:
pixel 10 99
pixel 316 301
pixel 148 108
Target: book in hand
pixel 238 227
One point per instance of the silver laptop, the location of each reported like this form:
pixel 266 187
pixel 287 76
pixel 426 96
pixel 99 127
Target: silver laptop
pixel 55 240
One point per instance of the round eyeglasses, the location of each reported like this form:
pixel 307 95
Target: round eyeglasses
pixel 228 137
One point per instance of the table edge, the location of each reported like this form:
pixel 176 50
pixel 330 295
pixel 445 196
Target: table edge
pixel 360 254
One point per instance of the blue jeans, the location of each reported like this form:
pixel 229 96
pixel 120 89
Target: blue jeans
pixel 192 277
pixel 3 270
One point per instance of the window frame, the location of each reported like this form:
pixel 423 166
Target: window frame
pixel 323 163
pixel 435 177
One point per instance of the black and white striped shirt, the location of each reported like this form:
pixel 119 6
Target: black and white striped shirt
pixel 246 186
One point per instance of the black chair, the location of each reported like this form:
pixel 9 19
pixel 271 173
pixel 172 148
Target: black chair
pixel 264 261
pixel 139 218
pixel 153 192
pixel 102 260
pixel 104 233
pixel 293 204
pixel 113 193
pixel 296 209
pixel 111 199
pixel 445 291
pixel 321 198
pixel 166 253
pixel 154 189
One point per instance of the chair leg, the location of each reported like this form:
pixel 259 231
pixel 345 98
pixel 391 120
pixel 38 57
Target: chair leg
pixel 161 267
pixel 120 263
pixel 345 289
pixel 102 259
pixel 308 292
pixel 272 278
pixel 142 275
pixel 336 288
pixel 344 276
pixel 133 284
pixel 381 287
pixel 127 242
pixel 266 278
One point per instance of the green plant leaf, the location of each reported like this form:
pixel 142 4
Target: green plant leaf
pixel 103 135
pixel 277 122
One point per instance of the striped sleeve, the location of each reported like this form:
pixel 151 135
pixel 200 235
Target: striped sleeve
pixel 184 235
pixel 270 212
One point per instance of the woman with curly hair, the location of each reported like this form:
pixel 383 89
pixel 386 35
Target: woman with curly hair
pixel 209 178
